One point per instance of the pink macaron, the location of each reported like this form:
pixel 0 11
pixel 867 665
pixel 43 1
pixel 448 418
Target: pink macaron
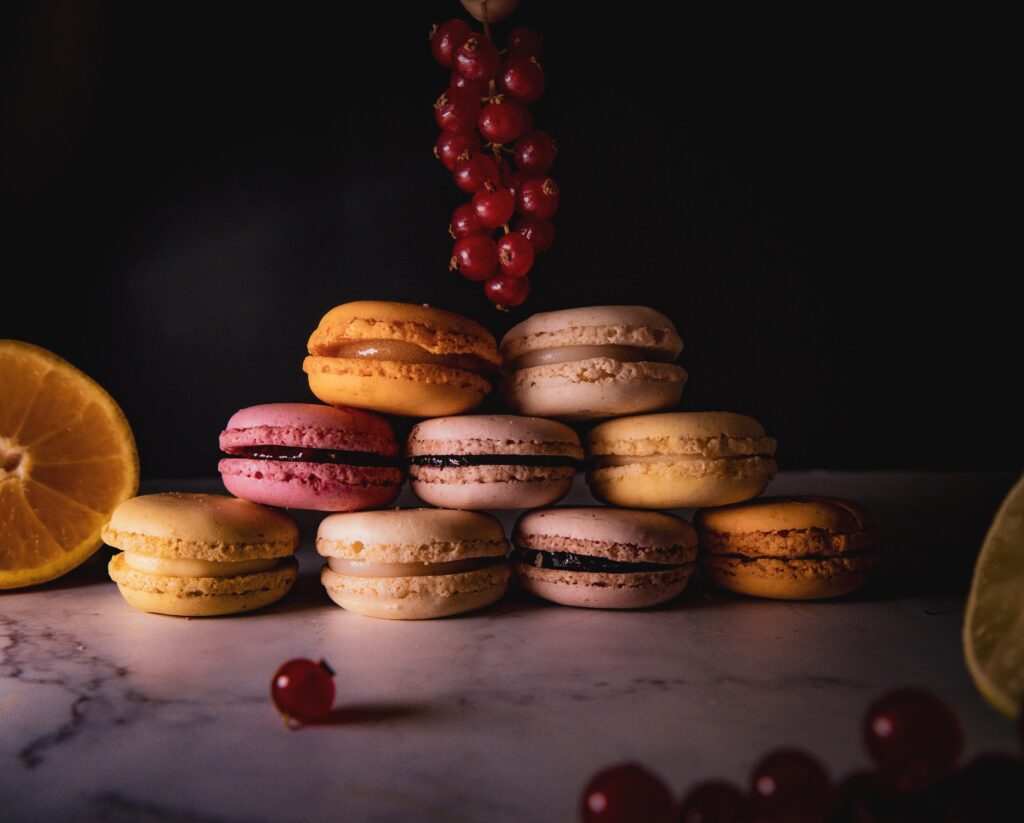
pixel 306 456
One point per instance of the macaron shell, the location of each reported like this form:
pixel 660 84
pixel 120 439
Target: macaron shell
pixel 714 434
pixel 682 485
pixel 592 590
pixel 493 434
pixel 405 389
pixel 418 598
pixel 493 487
pixel 202 596
pixel 202 527
pixel 772 514
pixel 788 579
pixel 594 388
pixel 624 535
pixel 309 425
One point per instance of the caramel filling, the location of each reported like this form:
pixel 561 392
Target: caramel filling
pixel 570 354
pixel 403 352
pixel 609 460
pixel 183 567
pixel 367 568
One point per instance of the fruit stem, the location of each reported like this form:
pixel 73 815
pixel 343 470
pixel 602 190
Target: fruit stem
pixel 487 23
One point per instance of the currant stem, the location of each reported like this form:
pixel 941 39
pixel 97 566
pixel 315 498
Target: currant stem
pixel 506 228
pixel 487 23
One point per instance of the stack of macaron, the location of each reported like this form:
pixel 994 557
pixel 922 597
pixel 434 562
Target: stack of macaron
pixel 612 366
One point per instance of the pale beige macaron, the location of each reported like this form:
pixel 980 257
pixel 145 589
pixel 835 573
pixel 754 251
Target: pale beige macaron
pixel 679 460
pixel 412 564
pixel 793 548
pixel 201 555
pixel 594 362
pixel 492 461
pixel 603 558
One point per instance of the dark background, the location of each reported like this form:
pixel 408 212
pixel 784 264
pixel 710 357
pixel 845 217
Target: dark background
pixel 189 188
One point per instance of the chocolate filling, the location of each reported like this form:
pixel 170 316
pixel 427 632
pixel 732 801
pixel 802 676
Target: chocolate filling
pixel 306 455
pixel 457 461
pixel 572 562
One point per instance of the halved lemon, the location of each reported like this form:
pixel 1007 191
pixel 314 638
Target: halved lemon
pixel 67 459
pixel 994 622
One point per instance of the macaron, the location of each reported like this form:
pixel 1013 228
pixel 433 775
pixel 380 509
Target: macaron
pixel 201 555
pixel 791 548
pixel 589 363
pixel 402 359
pixel 602 558
pixel 413 564
pixel 496 461
pixel 679 460
pixel 307 456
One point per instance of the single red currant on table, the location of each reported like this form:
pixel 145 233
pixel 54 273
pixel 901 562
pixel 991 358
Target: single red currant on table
pixel 790 786
pixel 446 38
pixel 303 690
pixel 626 793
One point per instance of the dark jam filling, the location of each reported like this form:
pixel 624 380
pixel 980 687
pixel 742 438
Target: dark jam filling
pixel 457 461
pixel 572 562
pixel 297 454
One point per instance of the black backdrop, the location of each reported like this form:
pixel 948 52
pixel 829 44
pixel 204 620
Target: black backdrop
pixel 193 186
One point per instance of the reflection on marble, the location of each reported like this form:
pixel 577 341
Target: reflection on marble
pixel 108 714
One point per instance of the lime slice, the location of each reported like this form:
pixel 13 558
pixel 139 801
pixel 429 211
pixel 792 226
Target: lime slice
pixel 994 623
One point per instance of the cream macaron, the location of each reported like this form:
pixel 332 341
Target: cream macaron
pixel 603 558
pixel 412 564
pixel 793 548
pixel 493 461
pixel 589 363
pixel 201 555
pixel 679 460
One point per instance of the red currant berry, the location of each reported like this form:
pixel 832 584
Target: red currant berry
pixel 502 120
pixel 475 256
pixel 465 222
pixel 713 802
pixel 457 110
pixel 792 787
pixel 515 254
pixel 479 87
pixel 494 206
pixel 537 198
pixel 535 152
pixel 914 737
pixel 303 690
pixel 450 148
pixel 471 173
pixel 522 79
pixel 446 38
pixel 524 42
pixel 540 233
pixel 477 58
pixel 626 793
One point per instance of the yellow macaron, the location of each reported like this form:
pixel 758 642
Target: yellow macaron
pixel 201 555
pixel 401 358
pixel 793 548
pixel 679 460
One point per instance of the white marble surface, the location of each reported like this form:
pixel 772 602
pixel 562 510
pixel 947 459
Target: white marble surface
pixel 109 714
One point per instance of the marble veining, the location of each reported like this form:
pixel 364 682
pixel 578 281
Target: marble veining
pixel 108 714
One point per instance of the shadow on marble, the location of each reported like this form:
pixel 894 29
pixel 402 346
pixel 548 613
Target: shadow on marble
pixel 92 572
pixel 373 713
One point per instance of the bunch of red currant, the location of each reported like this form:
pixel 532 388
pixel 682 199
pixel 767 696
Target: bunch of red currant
pixel 484 121
pixel 915 741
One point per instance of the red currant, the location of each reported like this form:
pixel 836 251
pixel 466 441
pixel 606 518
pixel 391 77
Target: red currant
pixel 303 690
pixel 540 233
pixel 475 256
pixel 457 110
pixel 477 58
pixel 515 254
pixel 790 786
pixel 914 737
pixel 524 42
pixel 446 38
pixel 450 148
pixel 479 87
pixel 537 198
pixel 713 802
pixel 465 222
pixel 522 79
pixel 494 206
pixel 502 120
pixel 471 173
pixel 625 794
pixel 535 152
